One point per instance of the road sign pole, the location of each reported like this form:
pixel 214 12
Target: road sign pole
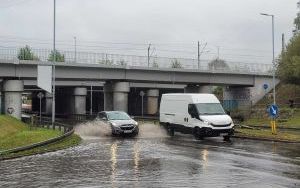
pixel 40 110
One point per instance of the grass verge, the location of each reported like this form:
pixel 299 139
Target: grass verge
pixel 73 140
pixel 14 133
pixel 292 136
pixel 290 122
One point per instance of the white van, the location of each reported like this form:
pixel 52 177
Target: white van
pixel 199 114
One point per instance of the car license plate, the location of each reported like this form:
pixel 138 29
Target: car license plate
pixel 223 134
pixel 128 131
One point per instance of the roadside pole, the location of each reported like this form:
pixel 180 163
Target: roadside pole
pixel 142 94
pixel 40 95
pixel 273 112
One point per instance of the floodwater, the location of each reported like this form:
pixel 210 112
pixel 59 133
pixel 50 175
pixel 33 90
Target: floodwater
pixel 155 160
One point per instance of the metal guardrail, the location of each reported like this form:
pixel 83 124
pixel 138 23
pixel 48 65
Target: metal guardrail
pixel 141 61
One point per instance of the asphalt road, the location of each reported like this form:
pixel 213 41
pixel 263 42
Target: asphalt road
pixel 156 160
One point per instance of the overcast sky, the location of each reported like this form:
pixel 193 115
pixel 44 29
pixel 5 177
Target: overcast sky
pixel 173 27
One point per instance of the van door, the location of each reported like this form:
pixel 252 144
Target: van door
pixel 193 119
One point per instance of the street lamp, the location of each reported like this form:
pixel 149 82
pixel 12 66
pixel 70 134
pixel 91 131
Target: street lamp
pixel 75 51
pixel 53 65
pixel 274 67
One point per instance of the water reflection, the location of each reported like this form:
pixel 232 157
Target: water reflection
pixel 113 159
pixel 136 159
pixel 204 154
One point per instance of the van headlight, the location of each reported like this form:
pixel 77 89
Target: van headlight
pixel 206 122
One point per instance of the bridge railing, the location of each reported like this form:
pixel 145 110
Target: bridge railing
pixel 141 61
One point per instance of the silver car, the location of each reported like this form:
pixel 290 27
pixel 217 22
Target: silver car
pixel 121 123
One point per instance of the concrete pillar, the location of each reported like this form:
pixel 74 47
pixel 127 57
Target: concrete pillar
pixel 198 89
pixel 120 96
pixel 13 97
pixel 152 98
pixel 108 96
pixel 48 99
pixel 236 98
pixel 80 100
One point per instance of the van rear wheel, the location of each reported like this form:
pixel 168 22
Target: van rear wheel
pixel 170 130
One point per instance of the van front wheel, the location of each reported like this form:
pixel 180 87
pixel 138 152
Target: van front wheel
pixel 197 133
pixel 226 138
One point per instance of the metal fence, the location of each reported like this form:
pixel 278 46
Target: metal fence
pixel 141 61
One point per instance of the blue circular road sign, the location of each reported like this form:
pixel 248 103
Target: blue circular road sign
pixel 265 86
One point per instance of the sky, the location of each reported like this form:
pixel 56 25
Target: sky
pixel 172 27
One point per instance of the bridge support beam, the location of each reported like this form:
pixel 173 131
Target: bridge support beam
pixel 198 89
pixel 13 97
pixel 120 96
pixel 108 96
pixel 236 98
pixel 152 101
pixel 48 108
pixel 79 105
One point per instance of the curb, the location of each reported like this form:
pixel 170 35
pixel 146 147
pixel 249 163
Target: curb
pixel 43 143
pixel 265 139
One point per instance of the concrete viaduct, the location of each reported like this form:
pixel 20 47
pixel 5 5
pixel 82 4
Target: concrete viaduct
pixel 120 85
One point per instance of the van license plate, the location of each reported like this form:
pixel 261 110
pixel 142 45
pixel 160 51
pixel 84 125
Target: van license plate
pixel 128 131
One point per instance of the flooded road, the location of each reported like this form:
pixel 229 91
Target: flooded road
pixel 156 160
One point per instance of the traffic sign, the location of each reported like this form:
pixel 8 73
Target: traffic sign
pixel 40 95
pixel 273 111
pixel 265 86
pixel 142 93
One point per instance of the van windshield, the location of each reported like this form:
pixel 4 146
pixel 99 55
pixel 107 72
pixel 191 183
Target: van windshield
pixel 210 109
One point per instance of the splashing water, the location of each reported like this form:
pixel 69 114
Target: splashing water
pixel 100 129
pixel 94 128
pixel 151 130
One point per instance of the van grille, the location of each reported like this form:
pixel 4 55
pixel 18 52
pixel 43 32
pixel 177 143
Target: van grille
pixel 226 125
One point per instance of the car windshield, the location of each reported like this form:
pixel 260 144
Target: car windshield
pixel 117 116
pixel 210 108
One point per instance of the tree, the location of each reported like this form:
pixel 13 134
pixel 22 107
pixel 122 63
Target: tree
pixel 288 68
pixel 218 91
pixel 58 56
pixel 218 64
pixel 26 54
pixel 176 64
pixel 297 19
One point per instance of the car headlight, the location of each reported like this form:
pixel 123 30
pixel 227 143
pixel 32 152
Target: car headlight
pixel 113 124
pixel 135 123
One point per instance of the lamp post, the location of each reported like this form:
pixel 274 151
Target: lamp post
pixel 75 50
pixel 273 61
pixel 53 66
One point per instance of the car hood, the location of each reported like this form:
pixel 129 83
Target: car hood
pixel 217 119
pixel 122 122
